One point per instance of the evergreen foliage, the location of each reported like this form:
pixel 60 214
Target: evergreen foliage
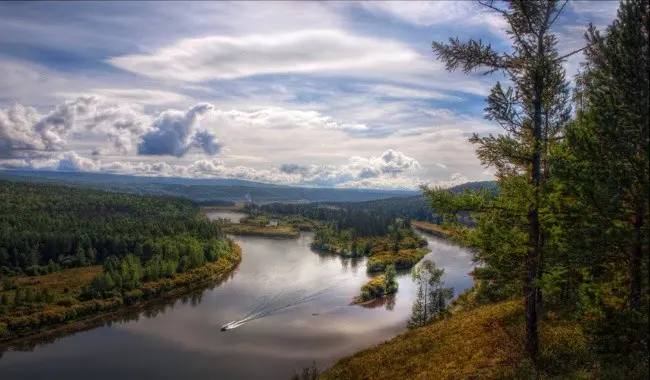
pixel 568 230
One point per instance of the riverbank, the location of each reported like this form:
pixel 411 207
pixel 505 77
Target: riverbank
pixel 277 232
pixel 486 341
pixel 483 342
pixel 431 228
pixel 66 312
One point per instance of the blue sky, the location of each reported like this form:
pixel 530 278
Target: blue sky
pixel 340 94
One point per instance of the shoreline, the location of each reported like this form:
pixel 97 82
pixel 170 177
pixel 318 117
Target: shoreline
pixel 431 228
pixel 91 321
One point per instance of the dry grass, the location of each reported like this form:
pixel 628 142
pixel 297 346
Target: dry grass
pixel 404 259
pixel 58 282
pixel 430 227
pixel 484 343
pixel 263 231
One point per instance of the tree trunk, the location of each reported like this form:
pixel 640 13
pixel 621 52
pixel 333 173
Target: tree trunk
pixel 532 259
pixel 636 277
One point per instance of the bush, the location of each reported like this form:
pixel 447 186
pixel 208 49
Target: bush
pixel 65 302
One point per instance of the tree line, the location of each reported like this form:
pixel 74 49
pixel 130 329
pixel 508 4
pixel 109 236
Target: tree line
pixel 340 217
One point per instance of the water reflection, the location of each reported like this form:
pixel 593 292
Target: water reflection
pixel 387 301
pixel 181 337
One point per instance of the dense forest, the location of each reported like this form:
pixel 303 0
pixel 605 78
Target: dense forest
pixel 415 207
pixel 44 228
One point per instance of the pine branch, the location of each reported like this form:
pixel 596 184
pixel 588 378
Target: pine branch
pixel 572 53
pixel 558 13
pixel 469 56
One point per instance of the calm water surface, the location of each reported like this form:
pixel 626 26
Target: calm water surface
pixel 181 339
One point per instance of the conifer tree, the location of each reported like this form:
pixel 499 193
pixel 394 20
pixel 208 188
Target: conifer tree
pixel 533 114
pixel 606 165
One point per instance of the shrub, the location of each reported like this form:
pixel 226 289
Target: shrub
pixel 65 302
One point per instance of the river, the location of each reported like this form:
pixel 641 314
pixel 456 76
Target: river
pixel 182 338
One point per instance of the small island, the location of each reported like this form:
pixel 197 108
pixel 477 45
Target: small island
pixel 379 286
pixel 400 246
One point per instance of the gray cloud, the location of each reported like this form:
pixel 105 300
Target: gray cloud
pixel 293 169
pixel 17 132
pixel 175 133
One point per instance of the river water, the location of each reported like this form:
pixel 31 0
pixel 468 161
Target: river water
pixel 181 338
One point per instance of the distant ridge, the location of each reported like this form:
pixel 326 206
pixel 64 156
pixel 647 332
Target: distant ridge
pixel 205 191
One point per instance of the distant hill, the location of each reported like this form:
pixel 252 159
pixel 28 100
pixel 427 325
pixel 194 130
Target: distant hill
pixel 204 191
pixel 415 207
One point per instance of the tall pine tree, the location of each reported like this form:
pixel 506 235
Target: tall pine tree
pixel 533 114
pixel 607 163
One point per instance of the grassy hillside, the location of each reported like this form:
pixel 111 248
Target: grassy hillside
pixel 483 343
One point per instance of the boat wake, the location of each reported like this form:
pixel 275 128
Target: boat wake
pixel 270 307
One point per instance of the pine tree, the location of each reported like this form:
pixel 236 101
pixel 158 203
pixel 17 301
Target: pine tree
pixel 533 114
pixel 607 168
pixel 391 279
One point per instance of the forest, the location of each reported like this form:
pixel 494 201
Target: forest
pixel 44 228
pixel 67 253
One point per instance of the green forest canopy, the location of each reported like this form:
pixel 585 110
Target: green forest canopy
pixel 44 227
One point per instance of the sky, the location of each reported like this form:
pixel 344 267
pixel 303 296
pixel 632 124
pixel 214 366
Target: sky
pixel 325 94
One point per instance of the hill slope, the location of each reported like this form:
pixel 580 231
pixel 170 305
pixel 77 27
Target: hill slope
pixel 207 191
pixel 483 343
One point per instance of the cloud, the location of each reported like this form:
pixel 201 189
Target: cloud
pixel 176 132
pixel 282 118
pixel 17 132
pixel 72 162
pixel 24 129
pixel 432 13
pixel 404 92
pixel 131 95
pixel 392 169
pixel 229 57
pixel 391 164
pixel 293 169
pixel 172 132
